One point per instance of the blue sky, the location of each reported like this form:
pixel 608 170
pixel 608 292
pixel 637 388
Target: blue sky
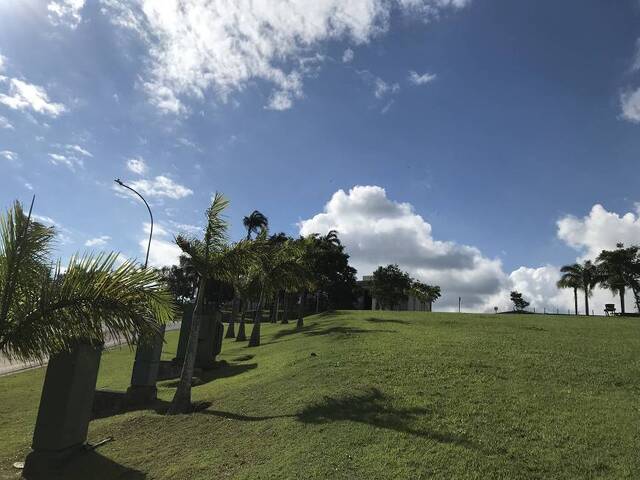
pixel 492 128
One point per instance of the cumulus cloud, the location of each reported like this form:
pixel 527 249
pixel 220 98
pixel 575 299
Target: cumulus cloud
pixel 378 231
pixel 27 96
pixel 66 12
pixel 3 61
pixel 630 103
pixel 137 165
pixel 348 56
pixel 161 186
pixel 100 241
pixel 163 251
pixel 423 79
pixel 599 230
pixel 9 155
pixel 4 123
pixel 197 46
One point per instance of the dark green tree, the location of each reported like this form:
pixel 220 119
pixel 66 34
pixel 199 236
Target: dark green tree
pixel 390 286
pixel 425 293
pixel 255 223
pixel 619 270
pixel 580 277
pixel 519 303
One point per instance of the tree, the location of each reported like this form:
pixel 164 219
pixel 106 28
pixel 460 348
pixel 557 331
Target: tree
pixel 254 223
pixel 44 311
pixel 390 286
pixel 580 277
pixel 518 302
pixel 571 278
pixel 618 269
pixel 332 276
pixel 277 267
pixel 214 260
pixel 425 293
pixel 181 279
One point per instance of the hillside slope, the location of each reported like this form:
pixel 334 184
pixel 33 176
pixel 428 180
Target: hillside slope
pixel 379 395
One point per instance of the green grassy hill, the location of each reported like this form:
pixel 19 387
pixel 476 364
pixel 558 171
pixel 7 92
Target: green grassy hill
pixel 379 395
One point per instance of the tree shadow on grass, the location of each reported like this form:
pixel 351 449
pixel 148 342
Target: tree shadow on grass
pixel 315 329
pixel 221 370
pixel 92 465
pixel 371 407
pixel 387 320
pixel 375 408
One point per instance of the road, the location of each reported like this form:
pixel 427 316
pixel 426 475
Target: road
pixel 7 367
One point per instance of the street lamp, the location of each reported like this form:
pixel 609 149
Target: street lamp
pixel 122 184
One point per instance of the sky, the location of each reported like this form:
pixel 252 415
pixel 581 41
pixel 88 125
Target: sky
pixel 479 144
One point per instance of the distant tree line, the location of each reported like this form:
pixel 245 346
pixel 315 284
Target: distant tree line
pixel 391 286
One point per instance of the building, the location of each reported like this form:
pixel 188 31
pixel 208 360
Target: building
pixel 368 302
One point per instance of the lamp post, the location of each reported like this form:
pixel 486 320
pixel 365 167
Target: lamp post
pixel 147 362
pixel 122 184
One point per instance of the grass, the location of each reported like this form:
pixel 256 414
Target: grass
pixel 379 395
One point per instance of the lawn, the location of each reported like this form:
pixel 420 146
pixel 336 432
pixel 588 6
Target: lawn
pixel 379 395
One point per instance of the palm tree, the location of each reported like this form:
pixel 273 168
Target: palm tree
pixel 213 259
pixel 254 223
pixel 571 278
pixel 277 267
pixel 618 270
pixel 45 310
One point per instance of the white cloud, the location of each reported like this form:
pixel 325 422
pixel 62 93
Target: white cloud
pixel 378 231
pixel 599 230
pixel 26 96
pixel 423 79
pixel 161 186
pixel 66 12
pixel 137 165
pixel 9 155
pixel 348 56
pixel 200 46
pixel 163 251
pixel 630 103
pixel 78 149
pixel 3 61
pixel 4 123
pixel 100 241
pixel 28 186
pixel 68 161
pixel 382 88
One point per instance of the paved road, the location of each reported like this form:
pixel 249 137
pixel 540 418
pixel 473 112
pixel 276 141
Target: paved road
pixel 7 367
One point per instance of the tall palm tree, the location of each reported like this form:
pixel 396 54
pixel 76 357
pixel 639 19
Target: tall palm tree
pixel 580 277
pixel 618 270
pixel 254 223
pixel 46 310
pixel 213 259
pixel 277 268
pixel 571 278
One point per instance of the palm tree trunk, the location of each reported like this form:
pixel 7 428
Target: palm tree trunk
pixel 575 299
pixel 274 316
pixel 242 336
pixel 254 341
pixel 586 301
pixel 317 302
pixel 285 313
pixel 231 333
pixel 303 301
pixel 182 398
pixel 621 291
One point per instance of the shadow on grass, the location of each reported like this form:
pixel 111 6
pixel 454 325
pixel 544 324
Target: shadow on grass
pixel 92 465
pixel 387 320
pixel 221 370
pixel 371 407
pixel 316 329
pixel 375 408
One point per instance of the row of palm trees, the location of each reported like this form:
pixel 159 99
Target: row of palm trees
pixel 616 270
pixel 258 268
